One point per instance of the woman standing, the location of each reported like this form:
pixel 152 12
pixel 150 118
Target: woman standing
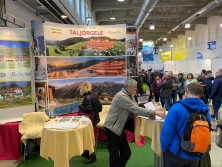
pixel 90 105
pixel 190 79
pixel 181 86
pixel 155 89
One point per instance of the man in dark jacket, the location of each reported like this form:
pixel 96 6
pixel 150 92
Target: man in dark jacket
pixel 207 80
pixel 166 90
pixel 175 124
pixel 216 92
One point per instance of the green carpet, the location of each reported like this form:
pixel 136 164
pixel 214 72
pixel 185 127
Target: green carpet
pixel 141 157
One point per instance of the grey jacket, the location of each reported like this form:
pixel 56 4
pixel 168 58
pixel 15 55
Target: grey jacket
pixel 166 88
pixel 118 114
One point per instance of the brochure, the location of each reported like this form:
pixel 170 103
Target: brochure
pixel 65 122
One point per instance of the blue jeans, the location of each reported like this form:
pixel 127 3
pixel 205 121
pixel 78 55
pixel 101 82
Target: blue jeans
pixel 172 160
pixel 165 101
pixel 216 105
pixel 174 98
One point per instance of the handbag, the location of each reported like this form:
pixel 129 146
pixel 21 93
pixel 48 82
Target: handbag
pixel 220 116
pixel 219 137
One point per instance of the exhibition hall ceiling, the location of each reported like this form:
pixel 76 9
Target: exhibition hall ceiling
pixel 164 15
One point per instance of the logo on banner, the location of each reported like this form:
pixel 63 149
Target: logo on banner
pixel 20 74
pixel 56 31
pixel 2 74
pixel 114 32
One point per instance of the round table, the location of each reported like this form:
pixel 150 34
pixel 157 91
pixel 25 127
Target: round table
pixel 63 144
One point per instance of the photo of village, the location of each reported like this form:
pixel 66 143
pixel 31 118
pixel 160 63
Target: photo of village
pixel 79 46
pixel 67 91
pixel 14 54
pixel 15 94
pixel 81 67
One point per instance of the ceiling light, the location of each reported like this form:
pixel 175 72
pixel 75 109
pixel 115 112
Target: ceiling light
pixel 189 38
pixel 165 39
pixel 121 0
pixel 187 26
pixel 220 24
pixel 64 16
pixel 160 50
pixel 89 18
pixel 152 27
pixel 141 40
pixel 171 46
pixel 112 18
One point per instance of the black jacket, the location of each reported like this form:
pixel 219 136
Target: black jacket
pixel 166 88
pixel 216 92
pixel 91 104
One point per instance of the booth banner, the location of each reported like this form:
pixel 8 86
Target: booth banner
pixel 67 90
pixel 82 40
pixel 84 67
pixel 148 51
pixel 166 56
pixel 16 74
pixel 131 40
pixel 38 43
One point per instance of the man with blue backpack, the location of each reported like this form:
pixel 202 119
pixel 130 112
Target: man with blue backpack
pixel 186 132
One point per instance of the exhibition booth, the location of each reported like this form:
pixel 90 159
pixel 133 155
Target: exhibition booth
pixel 42 71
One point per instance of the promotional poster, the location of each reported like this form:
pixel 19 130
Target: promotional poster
pixel 16 74
pixel 166 56
pixel 148 51
pixel 131 41
pixel 72 40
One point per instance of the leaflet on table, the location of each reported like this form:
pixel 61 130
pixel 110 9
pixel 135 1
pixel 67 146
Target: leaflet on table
pixel 65 122
pixel 66 125
pixel 70 119
pixel 158 119
pixel 150 106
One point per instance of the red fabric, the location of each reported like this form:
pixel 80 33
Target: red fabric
pixel 141 142
pixel 101 136
pixel 10 141
pixel 71 114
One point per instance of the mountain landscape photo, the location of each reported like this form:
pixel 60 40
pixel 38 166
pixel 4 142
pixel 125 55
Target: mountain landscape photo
pixel 79 46
pixel 59 68
pixel 105 90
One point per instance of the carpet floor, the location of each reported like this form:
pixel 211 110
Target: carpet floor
pixel 141 157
